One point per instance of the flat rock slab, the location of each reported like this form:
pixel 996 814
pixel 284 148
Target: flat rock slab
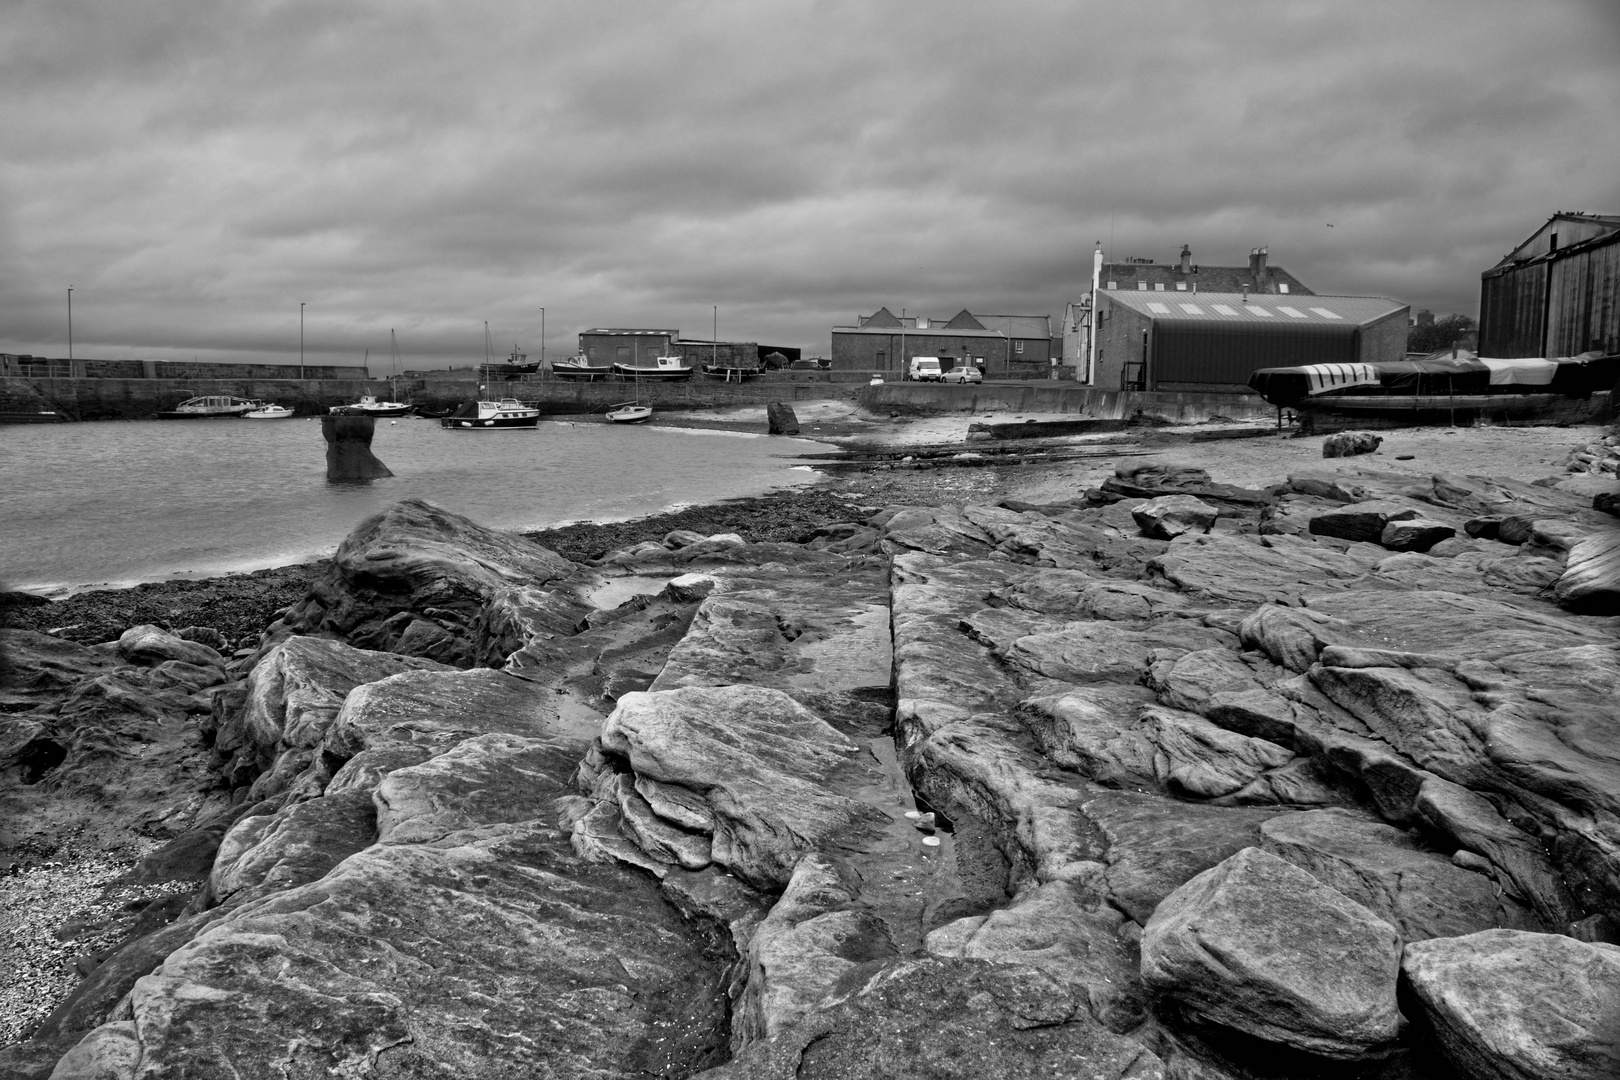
pixel 1519 1006
pixel 1256 569
pixel 950 1020
pixel 1423 893
pixel 767 768
pixel 1591 578
pixel 1169 516
pixel 495 953
pixel 1155 844
pixel 1260 945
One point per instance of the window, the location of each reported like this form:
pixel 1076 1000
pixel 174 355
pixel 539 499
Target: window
pixel 1018 347
pixel 1260 311
pixel 590 351
pixel 1224 309
pixel 1282 287
pixel 1192 309
pixel 1158 286
pixel 1181 286
pixel 1326 314
pixel 1293 313
pixel 1158 309
pixel 624 353
pixel 1141 286
pixel 1113 284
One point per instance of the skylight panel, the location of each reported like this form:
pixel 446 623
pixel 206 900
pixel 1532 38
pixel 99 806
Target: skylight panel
pixel 1326 314
pixel 1225 309
pixel 1260 311
pixel 1292 313
pixel 1192 309
pixel 1159 309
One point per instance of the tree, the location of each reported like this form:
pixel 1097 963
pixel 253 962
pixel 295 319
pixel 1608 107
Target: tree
pixel 1443 333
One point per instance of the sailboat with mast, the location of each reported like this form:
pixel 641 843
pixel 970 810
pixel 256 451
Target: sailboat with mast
pixel 370 404
pixel 491 415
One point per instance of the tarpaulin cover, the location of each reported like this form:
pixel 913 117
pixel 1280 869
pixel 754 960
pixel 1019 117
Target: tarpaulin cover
pixel 1566 375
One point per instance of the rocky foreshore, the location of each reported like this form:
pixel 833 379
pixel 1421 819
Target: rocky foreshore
pixel 1162 777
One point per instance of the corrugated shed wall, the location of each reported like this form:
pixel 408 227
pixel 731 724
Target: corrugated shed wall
pixel 1513 311
pixel 1583 307
pixel 1205 353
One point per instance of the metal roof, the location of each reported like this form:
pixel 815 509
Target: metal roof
pixel 667 333
pixel 1235 309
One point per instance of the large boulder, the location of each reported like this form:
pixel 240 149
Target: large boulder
pixel 1168 516
pixel 348 448
pixel 1510 1005
pixel 1259 945
pixel 1350 444
pixel 417 579
pixel 765 767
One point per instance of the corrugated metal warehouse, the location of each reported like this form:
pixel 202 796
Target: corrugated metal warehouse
pixel 1215 341
pixel 1557 293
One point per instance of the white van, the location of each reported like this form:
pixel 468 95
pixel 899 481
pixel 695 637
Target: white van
pixel 925 369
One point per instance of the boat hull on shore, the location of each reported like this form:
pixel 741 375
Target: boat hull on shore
pixel 663 369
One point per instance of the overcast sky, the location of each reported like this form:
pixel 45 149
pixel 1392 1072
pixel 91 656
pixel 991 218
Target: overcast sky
pixel 196 169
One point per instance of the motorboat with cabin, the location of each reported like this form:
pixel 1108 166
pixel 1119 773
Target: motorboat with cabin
pixel 209 407
pixel 732 372
pixel 267 411
pixel 663 368
pixel 492 415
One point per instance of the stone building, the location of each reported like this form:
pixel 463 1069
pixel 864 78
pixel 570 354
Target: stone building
pixel 1003 346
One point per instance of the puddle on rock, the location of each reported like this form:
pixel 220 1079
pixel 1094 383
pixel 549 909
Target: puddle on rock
pixel 614 591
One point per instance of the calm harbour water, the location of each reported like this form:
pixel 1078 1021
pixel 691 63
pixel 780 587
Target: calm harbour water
pixel 122 502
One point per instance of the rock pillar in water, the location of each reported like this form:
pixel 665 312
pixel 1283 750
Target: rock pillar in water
pixel 348 448
pixel 781 418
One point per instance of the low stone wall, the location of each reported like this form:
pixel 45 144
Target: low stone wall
pixel 1059 397
pixel 136 399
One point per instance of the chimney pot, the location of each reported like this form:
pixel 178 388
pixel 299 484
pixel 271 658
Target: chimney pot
pixel 1186 259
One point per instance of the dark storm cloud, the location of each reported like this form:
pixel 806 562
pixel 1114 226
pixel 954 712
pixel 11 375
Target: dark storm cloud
pixel 195 170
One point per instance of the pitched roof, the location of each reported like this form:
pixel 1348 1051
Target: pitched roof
pixel 1019 326
pixel 963 320
pixel 1221 279
pixel 883 317
pixel 668 333
pixel 1268 309
pixel 1602 228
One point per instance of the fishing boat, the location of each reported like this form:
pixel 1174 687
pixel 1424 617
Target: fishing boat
pixel 518 364
pixel 629 412
pixel 492 416
pixel 579 368
pixel 31 416
pixel 1439 390
pixel 209 407
pixel 731 373
pixel 268 412
pixel 665 368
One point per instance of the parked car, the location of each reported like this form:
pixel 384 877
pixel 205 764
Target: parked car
pixel 966 373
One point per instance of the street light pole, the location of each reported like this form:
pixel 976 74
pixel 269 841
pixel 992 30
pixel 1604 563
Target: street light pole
pixel 70 324
pixel 542 339
pixel 300 339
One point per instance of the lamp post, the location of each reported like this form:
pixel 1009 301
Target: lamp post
pixel 70 324
pixel 542 339
pixel 300 340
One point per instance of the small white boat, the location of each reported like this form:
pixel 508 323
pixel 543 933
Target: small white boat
pixel 492 416
pixel 374 406
pixel 629 412
pixel 268 412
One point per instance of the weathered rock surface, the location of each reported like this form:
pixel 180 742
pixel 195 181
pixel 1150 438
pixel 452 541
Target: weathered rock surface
pixel 1415 534
pixel 348 448
pixel 1260 945
pixel 781 419
pixel 1168 516
pixel 1591 579
pixel 1517 1006
pixel 418 580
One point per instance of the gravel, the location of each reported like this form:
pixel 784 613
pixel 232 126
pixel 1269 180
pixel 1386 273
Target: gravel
pixel 55 912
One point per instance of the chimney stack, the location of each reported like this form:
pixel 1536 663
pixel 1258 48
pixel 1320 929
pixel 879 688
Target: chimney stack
pixel 1257 270
pixel 1186 259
